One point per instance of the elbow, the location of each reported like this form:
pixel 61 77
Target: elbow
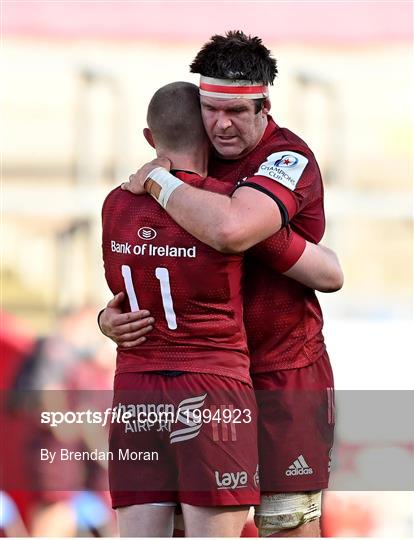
pixel 334 283
pixel 230 239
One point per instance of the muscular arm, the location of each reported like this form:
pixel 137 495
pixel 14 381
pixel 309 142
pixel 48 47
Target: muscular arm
pixel 227 224
pixel 290 254
pixel 317 268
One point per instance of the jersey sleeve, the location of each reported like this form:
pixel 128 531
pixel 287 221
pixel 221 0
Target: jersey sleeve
pixel 291 179
pixel 281 251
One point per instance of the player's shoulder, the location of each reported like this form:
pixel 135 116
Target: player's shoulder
pixel 114 193
pixel 283 139
pixel 117 195
pixel 117 200
pixel 286 159
pixel 111 197
pixel 284 149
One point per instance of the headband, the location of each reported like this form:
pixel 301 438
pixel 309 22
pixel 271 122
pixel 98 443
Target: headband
pixel 232 88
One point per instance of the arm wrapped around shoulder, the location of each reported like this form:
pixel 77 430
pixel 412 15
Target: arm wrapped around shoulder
pixel 312 265
pixel 281 251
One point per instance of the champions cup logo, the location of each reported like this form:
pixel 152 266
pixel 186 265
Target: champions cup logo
pixel 147 233
pixel 286 161
pixel 285 167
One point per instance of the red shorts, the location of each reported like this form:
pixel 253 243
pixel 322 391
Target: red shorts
pixel 189 438
pixel 296 427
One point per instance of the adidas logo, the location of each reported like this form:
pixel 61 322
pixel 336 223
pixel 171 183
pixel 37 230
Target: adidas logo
pixel 299 467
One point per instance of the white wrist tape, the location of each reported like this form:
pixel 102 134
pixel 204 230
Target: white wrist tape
pixel 167 182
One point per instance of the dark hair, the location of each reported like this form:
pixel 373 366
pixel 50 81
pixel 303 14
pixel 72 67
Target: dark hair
pixel 174 116
pixel 235 56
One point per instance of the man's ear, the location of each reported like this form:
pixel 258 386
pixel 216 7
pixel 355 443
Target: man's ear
pixel 266 106
pixel 148 136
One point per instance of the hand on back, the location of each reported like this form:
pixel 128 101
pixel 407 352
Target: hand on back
pixel 125 329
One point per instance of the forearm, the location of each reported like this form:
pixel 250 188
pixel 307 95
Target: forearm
pixel 210 217
pixel 228 224
pixel 317 268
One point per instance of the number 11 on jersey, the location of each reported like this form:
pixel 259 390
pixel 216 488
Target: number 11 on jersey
pixel 163 276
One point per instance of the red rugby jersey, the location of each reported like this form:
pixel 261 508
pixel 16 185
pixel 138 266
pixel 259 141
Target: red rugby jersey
pixel 283 318
pixel 192 291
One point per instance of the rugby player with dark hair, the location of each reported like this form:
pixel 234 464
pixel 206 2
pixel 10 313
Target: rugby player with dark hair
pixel 282 185
pixel 197 350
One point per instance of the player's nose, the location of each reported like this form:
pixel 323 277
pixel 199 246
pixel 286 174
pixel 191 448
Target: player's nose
pixel 223 122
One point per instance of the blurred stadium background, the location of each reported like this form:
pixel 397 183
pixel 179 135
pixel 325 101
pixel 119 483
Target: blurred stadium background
pixel 77 77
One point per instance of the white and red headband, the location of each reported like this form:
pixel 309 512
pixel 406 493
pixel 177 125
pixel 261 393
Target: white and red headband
pixel 231 89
